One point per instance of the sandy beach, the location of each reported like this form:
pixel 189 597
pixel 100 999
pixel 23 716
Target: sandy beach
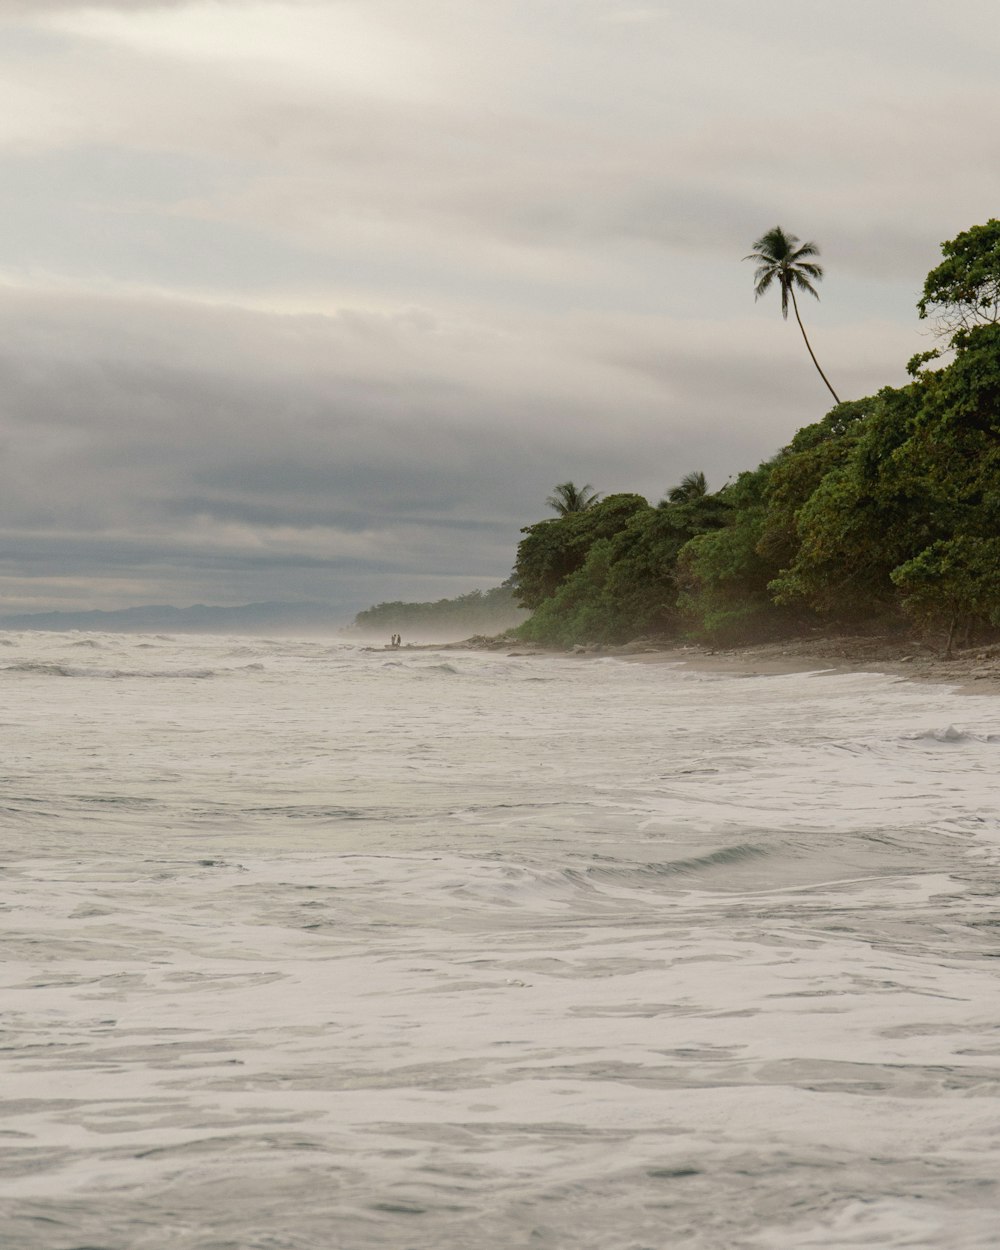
pixel 972 671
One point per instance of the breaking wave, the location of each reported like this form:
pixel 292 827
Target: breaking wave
pixel 42 668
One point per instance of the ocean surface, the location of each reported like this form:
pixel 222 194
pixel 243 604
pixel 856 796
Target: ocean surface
pixel 307 947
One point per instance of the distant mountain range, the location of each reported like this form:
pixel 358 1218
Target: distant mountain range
pixel 250 618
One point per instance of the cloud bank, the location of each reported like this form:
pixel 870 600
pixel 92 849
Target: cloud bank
pixel 319 300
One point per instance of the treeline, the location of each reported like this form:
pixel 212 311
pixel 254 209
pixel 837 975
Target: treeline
pixel 478 612
pixel 887 510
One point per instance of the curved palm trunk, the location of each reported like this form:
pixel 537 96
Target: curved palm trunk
pixel 814 360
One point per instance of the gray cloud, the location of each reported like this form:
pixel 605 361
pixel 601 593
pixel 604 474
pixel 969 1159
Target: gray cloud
pixel 320 299
pixel 143 433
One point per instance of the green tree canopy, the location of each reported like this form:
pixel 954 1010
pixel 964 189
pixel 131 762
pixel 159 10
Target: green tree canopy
pixel 908 510
pixel 551 550
pixel 722 575
pixel 622 581
pixel 964 290
pixel 887 508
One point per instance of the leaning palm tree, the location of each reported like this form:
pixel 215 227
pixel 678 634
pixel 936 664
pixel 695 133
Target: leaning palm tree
pixel 692 486
pixel 568 498
pixel 781 258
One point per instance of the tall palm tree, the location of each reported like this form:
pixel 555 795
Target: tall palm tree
pixel 692 486
pixel 568 498
pixel 781 258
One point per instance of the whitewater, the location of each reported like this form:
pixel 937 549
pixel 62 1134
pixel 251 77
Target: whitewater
pixel 309 946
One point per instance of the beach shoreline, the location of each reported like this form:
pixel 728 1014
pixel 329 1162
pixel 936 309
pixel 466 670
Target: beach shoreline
pixel 973 670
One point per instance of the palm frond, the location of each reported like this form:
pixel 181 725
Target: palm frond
pixel 775 245
pixel 803 283
pixel 785 288
pixel 568 497
pixel 692 486
pixel 764 279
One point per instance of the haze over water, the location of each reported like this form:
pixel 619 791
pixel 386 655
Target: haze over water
pixel 307 946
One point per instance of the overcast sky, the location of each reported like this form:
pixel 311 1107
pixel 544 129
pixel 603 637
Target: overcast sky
pixel 318 299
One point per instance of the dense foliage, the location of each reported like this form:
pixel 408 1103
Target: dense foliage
pixel 886 510
pixel 606 575
pixel 964 290
pixel 479 612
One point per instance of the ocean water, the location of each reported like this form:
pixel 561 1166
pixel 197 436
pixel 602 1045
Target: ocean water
pixel 307 946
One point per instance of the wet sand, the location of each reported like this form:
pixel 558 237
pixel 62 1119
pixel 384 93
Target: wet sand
pixel 972 671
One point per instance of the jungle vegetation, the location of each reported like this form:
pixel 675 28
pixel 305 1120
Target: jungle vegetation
pixel 886 511
pixel 478 612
